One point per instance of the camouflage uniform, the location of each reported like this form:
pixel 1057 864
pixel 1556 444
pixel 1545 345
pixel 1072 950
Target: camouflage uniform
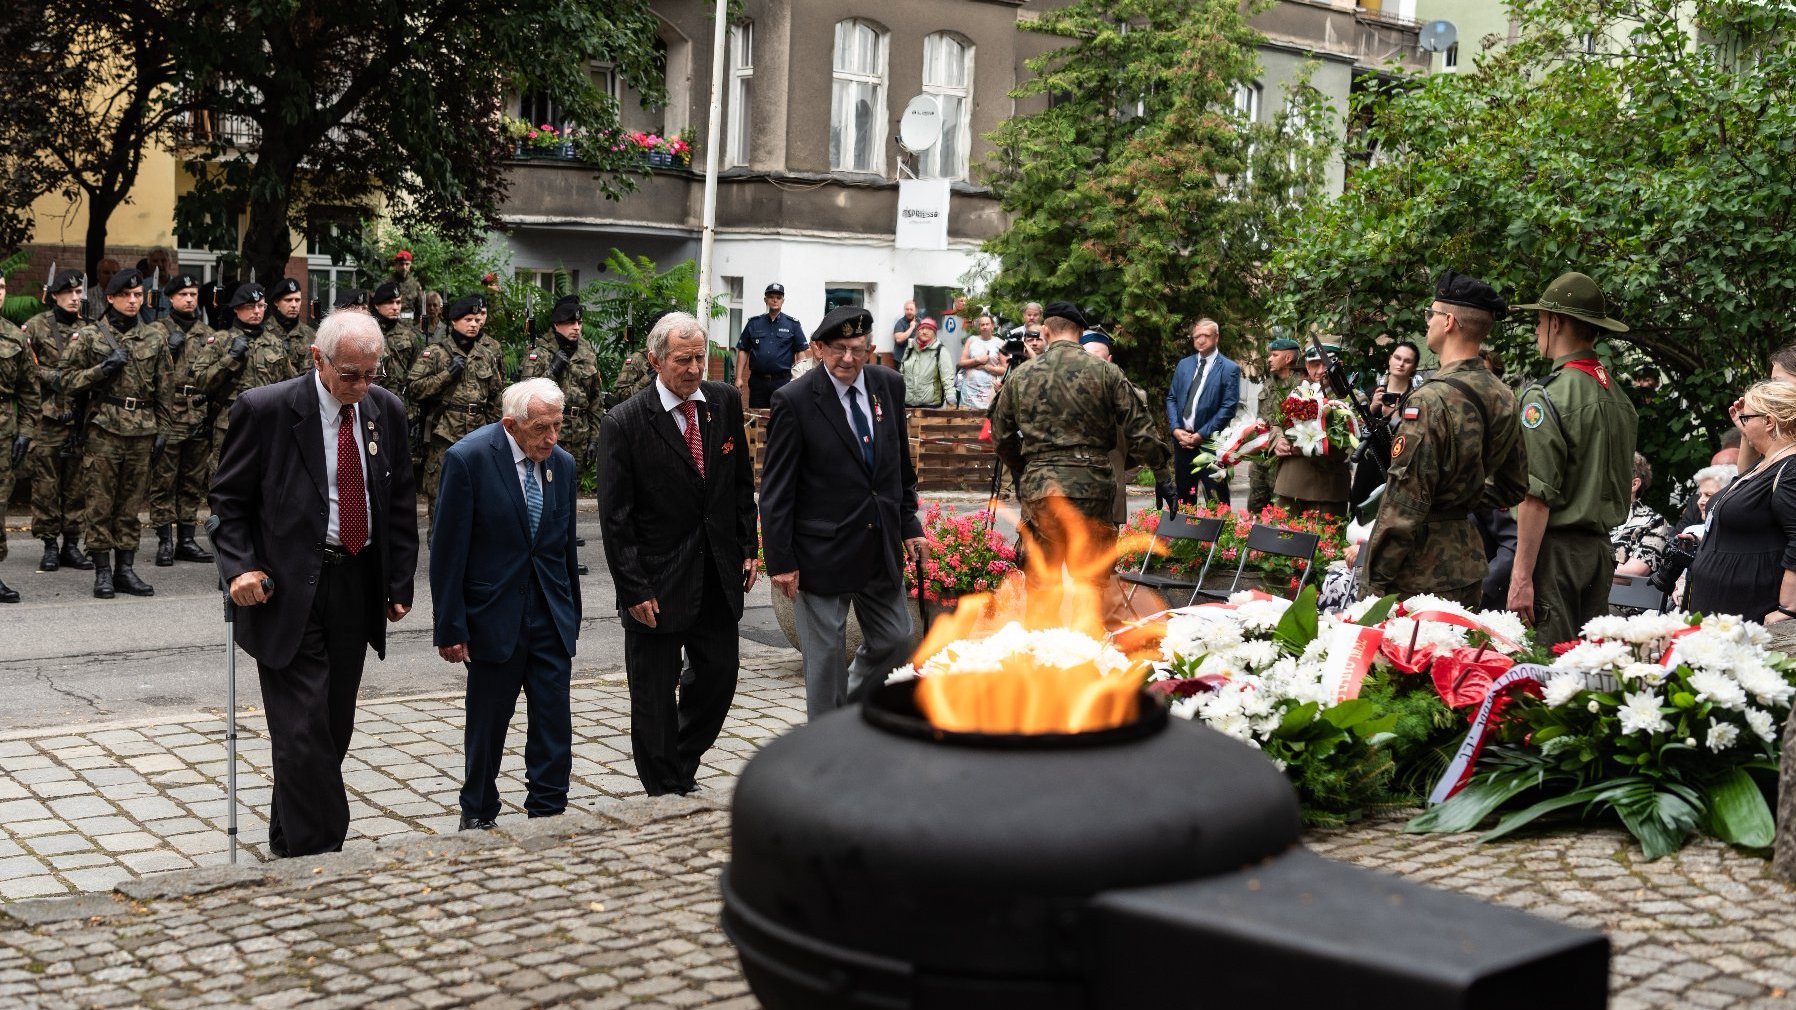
pixel 455 404
pixel 55 477
pixel 1270 409
pixel 222 376
pixel 298 336
pixel 580 383
pixel 400 352
pixel 411 293
pixel 1458 452
pixel 633 376
pixel 124 414
pixel 178 478
pixel 19 408
pixel 1055 421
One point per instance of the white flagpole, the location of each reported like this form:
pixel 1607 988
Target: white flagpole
pixel 719 39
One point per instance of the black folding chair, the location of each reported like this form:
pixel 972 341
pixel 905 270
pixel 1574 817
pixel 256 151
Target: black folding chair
pixel 1154 571
pixel 1282 542
pixel 1635 592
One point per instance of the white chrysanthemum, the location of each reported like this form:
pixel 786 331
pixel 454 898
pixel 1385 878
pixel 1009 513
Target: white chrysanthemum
pixel 1261 615
pixel 1563 688
pixel 1594 657
pixel 1762 724
pixel 1731 626
pixel 1186 708
pixel 1190 635
pixel 1707 650
pixel 1506 624
pixel 1051 647
pixel 1719 688
pixel 1424 635
pixel 1722 736
pixel 1359 608
pixel 1255 655
pixel 1650 674
pixel 1767 686
pixel 1639 713
pixel 903 673
pixel 1647 632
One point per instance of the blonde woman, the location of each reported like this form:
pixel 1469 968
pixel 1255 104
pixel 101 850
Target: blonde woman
pixel 1747 562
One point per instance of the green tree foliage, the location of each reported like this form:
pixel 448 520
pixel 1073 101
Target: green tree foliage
pixel 1140 193
pixel 1648 143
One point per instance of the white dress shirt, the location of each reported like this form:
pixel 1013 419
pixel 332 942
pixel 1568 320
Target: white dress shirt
pixel 671 403
pixel 330 418
pixel 866 405
pixel 518 462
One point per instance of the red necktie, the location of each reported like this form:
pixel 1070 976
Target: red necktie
pixel 694 441
pixel 352 502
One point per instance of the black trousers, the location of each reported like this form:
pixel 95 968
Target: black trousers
pixel 539 667
pixel 762 384
pixel 669 735
pixel 311 712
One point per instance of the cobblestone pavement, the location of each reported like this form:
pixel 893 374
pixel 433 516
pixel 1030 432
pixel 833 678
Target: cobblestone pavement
pixel 616 905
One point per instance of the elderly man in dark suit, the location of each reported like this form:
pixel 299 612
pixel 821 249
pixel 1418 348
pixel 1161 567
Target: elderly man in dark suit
pixel 839 510
pixel 510 609
pixel 677 506
pixel 318 536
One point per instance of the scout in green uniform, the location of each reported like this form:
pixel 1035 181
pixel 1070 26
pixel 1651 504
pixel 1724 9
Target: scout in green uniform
pixel 55 459
pixel 18 416
pixel 287 316
pixel 178 476
pixel 119 363
pixel 1313 483
pixel 1460 449
pixel 251 353
pixel 1281 377
pixel 1055 421
pixel 1579 428
pixel 402 342
pixel 458 383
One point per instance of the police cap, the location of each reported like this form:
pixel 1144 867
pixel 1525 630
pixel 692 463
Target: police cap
pixel 1096 337
pixel 776 288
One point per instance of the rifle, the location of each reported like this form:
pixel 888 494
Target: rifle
pixel 530 316
pixel 49 278
pixel 1378 435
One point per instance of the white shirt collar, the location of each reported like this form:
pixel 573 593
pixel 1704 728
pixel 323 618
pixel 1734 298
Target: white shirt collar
pixel 517 451
pixel 669 401
pixel 860 383
pixel 328 405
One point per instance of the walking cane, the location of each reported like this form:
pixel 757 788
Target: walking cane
pixel 230 616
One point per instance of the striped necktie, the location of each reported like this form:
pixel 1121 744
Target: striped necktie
pixel 533 496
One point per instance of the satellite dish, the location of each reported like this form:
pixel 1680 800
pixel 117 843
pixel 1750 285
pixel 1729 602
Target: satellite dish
pixel 921 125
pixel 1437 37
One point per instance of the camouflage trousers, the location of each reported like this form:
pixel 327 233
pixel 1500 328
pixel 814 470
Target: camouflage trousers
pixel 1049 530
pixel 8 477
pixel 115 471
pixel 1259 487
pixel 433 470
pixel 55 484
pixel 178 481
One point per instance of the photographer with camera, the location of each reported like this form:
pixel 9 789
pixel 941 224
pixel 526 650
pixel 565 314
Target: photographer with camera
pixel 1386 403
pixel 1746 563
pixel 982 363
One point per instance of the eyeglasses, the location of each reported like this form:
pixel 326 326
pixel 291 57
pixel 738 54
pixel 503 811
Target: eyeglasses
pixel 844 351
pixel 1748 417
pixel 352 377
pixel 1430 312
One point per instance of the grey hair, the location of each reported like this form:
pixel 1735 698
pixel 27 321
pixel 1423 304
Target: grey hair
pixel 674 324
pixel 1723 472
pixel 519 395
pixel 358 330
pixel 1032 305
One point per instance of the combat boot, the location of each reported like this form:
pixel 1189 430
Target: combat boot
pixel 189 549
pixel 71 553
pixel 165 546
pixel 124 579
pixel 49 563
pixel 102 576
pixel 8 594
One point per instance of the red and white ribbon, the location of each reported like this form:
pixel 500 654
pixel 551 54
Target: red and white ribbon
pixel 1460 770
pixel 1462 621
pixel 1351 649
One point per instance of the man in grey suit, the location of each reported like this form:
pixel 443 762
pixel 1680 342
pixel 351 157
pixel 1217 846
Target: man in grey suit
pixel 839 510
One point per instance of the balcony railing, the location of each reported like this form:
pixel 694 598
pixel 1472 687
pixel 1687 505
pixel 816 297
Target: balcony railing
pixel 203 127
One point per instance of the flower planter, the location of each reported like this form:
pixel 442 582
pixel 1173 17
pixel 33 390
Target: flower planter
pixel 660 159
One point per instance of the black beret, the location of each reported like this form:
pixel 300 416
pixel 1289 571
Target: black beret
pixel 776 288
pixel 283 287
pixel 1460 289
pixel 388 292
pixel 567 310
pixel 350 296
pixel 66 281
pixel 124 280
pixel 842 323
pixel 466 305
pixel 247 293
pixel 1065 310
pixel 179 283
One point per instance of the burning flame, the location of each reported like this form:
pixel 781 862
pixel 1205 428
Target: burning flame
pixel 1069 581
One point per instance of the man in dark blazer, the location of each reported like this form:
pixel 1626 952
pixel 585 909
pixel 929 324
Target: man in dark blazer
pixel 510 609
pixel 318 539
pixel 1205 390
pixel 677 506
pixel 839 510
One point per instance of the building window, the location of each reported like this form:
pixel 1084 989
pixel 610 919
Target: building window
pixel 328 270
pixel 545 278
pixel 948 75
pixel 839 294
pixel 857 110
pixel 537 108
pixel 741 84
pixel 1247 101
pixel 1450 59
pixel 732 300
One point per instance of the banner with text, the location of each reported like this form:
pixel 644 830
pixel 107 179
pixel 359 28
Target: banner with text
pixel 922 214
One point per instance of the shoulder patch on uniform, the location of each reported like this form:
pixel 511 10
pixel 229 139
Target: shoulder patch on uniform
pixel 1411 413
pixel 211 338
pixel 1532 415
pixel 427 352
pixel 1398 446
pixel 532 355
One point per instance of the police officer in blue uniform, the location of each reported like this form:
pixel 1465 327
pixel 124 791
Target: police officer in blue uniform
pixel 765 352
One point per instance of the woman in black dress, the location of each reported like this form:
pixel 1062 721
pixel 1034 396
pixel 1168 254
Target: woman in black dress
pixel 1747 562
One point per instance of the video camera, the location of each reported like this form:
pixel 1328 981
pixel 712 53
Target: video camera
pixel 1014 352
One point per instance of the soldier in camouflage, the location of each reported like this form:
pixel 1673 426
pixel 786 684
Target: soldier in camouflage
pixel 1460 449
pixel 411 293
pixel 1055 421
pixel 561 355
pixel 55 458
pixel 119 362
pixel 179 475
pixel 457 383
pixel 402 340
pixel 635 374
pixel 1281 377
pixel 287 316
pixel 18 416
pixel 251 353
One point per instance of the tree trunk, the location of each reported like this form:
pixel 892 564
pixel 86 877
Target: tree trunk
pixel 100 207
pixel 267 243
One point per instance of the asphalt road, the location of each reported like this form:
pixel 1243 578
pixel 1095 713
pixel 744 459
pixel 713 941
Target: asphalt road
pixel 67 658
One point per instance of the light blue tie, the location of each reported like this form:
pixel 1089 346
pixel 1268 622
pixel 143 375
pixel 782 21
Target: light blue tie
pixel 533 497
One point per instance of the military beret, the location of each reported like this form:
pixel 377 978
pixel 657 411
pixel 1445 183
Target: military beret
pixel 1096 337
pixel 1064 310
pixel 66 281
pixel 403 254
pixel 926 323
pixel 349 297
pixel 843 323
pixel 180 282
pixel 247 293
pixel 567 310
pixel 283 287
pixel 125 280
pixel 388 292
pixel 1461 289
pixel 466 305
pixel 776 288
pixel 1282 344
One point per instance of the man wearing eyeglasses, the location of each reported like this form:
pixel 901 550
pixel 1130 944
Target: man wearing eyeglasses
pixel 318 537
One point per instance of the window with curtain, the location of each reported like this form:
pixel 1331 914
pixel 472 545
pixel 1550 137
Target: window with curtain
pixel 948 75
pixel 741 80
pixel 857 114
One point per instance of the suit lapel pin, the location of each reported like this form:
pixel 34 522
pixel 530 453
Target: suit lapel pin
pixel 548 475
pixel 373 448
pixel 879 413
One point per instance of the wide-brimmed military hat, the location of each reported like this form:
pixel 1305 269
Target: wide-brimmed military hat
pixel 567 310
pixel 247 293
pixel 1576 295
pixel 466 305
pixel 843 323
pixel 124 280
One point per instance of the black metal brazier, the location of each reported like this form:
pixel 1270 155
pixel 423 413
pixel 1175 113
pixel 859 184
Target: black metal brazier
pixel 877 862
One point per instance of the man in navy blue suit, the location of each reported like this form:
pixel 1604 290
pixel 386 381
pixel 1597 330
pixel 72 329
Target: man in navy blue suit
pixel 511 609
pixel 1205 389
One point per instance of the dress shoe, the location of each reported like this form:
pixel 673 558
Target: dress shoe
pixel 71 553
pixel 478 824
pixel 50 562
pixel 579 541
pixel 165 546
pixel 189 549
pixel 582 569
pixel 8 594
pixel 124 579
pixel 102 575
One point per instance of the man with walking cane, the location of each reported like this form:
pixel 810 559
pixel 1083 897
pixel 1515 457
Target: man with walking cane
pixel 314 494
